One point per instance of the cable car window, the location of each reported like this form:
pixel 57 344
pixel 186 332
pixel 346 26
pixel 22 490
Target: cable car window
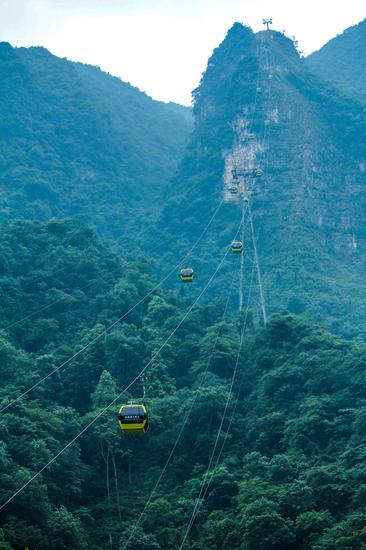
pixel 133 411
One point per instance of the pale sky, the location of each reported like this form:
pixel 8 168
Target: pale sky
pixel 162 46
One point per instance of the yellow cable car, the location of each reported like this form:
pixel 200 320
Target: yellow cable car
pixel 133 418
pixel 258 173
pixel 187 275
pixel 237 247
pixel 233 189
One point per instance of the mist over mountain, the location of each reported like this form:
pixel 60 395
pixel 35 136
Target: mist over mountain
pixel 342 61
pixel 77 141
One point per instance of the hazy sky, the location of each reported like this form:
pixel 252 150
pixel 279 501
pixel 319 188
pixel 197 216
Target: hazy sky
pixel 162 46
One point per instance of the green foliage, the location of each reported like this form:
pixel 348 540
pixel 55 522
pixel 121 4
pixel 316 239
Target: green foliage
pixel 342 61
pixel 75 141
pixel 264 528
pixel 291 472
pixel 289 469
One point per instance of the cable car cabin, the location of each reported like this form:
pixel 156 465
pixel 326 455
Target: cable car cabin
pixel 258 173
pixel 133 419
pixel 233 189
pixel 237 247
pixel 258 89
pixel 187 275
pixel 250 137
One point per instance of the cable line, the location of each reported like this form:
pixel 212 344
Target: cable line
pixel 25 318
pixel 227 431
pixel 204 489
pixel 237 399
pixel 241 276
pixel 105 331
pixel 216 442
pixel 259 276
pixel 137 377
pixel 185 420
pixel 255 267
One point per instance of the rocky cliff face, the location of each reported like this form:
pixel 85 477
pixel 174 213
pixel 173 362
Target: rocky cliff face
pixel 258 107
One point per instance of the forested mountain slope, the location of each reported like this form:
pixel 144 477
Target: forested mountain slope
pixel 258 106
pixel 77 141
pixel 290 472
pixel 342 61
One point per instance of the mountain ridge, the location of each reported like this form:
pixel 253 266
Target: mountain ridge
pixel 70 148
pixel 342 61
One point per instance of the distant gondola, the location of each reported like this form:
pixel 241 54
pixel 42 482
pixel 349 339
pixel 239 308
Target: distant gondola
pixel 187 275
pixel 233 189
pixel 237 247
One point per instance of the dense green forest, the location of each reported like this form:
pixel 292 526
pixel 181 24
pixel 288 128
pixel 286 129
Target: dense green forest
pixel 257 431
pixel 77 141
pixel 342 61
pixel 288 471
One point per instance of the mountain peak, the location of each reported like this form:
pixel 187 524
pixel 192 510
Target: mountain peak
pixel 258 107
pixel 6 51
pixel 5 46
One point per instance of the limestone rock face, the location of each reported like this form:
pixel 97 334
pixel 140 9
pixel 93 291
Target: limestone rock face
pixel 259 107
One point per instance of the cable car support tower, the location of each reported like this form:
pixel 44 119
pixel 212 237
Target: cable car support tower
pixel 246 184
pixel 257 266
